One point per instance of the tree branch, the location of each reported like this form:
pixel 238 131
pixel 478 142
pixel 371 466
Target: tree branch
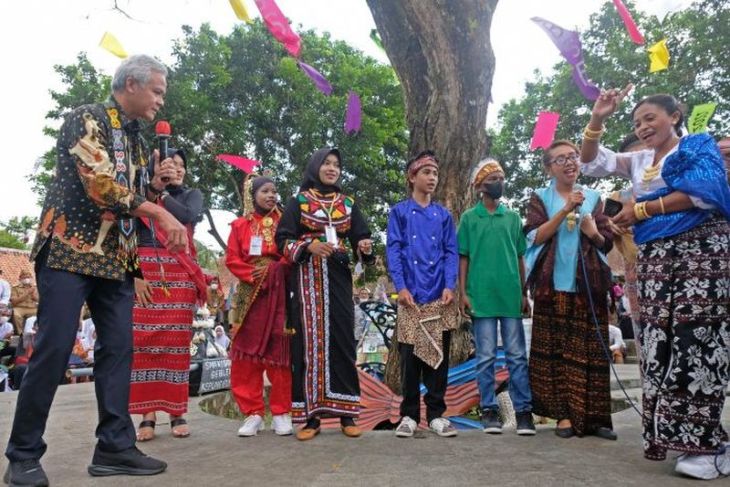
pixel 119 9
pixel 214 231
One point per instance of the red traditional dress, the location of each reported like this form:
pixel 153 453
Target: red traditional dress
pixel 161 361
pixel 260 339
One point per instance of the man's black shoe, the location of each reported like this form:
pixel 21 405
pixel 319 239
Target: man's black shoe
pixel 127 462
pixel 25 473
pixel 525 425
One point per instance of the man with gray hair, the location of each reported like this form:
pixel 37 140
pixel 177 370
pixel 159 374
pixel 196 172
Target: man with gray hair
pixel 85 251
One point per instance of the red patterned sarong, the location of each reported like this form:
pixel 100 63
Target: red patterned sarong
pixel 161 363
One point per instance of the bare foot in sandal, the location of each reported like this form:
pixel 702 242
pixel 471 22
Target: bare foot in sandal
pixel 146 429
pixel 179 426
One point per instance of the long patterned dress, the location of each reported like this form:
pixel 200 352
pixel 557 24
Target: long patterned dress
pixel 162 329
pixel 684 294
pixel 569 371
pixel 324 378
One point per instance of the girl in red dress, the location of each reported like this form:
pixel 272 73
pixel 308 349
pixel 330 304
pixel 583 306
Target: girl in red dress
pixel 260 337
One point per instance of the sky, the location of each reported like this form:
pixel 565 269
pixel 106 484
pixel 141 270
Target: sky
pixel 35 35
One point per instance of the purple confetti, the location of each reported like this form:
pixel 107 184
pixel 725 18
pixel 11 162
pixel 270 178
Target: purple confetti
pixel 569 45
pixel 319 81
pixel 353 115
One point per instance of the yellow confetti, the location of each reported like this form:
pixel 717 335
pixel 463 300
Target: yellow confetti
pixel 240 8
pixel 659 56
pixel 112 44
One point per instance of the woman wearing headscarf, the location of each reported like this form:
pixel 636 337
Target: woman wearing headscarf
pixel 164 302
pixel 260 337
pixel 567 239
pixel 221 339
pixel 313 232
pixel 680 223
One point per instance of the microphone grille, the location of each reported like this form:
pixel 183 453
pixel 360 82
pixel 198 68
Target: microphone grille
pixel 162 128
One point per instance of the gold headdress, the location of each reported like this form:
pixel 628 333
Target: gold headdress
pixel 248 206
pixel 484 169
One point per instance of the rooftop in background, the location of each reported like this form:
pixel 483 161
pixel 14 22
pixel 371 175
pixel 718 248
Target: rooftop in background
pixel 12 262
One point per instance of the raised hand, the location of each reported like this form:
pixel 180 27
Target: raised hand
pixel 608 102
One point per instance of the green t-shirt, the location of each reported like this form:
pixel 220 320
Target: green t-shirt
pixel 494 243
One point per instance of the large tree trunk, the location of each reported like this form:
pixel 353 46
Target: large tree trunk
pixel 442 53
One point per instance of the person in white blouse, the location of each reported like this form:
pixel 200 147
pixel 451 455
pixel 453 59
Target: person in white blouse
pixel 680 222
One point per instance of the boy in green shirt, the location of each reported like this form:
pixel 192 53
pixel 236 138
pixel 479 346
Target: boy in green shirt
pixel 491 283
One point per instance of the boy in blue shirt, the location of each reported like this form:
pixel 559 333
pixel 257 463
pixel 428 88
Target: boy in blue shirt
pixel 423 263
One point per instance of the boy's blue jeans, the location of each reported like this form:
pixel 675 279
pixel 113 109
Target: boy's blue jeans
pixel 513 340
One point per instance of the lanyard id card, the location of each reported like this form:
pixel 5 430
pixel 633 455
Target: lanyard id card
pixel 256 245
pixel 331 234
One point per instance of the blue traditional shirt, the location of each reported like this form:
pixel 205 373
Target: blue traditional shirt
pixel 694 167
pixel 421 249
pixel 566 257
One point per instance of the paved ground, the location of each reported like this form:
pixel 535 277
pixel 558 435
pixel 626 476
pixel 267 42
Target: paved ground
pixel 215 456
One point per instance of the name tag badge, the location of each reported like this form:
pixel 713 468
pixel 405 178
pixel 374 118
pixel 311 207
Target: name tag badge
pixel 256 245
pixel 331 234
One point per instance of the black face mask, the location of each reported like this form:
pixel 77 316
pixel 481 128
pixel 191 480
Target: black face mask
pixel 494 190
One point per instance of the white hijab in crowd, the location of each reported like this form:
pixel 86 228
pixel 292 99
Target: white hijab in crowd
pixel 221 340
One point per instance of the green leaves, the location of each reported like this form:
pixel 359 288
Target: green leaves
pixel 697 38
pixel 242 94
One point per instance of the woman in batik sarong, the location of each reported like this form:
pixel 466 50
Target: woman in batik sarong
pixel 260 338
pixel 680 222
pixel 568 236
pixel 163 307
pixel 316 226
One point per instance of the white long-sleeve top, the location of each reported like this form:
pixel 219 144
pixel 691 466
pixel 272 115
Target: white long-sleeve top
pixel 632 165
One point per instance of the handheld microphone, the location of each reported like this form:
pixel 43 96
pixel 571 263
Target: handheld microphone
pixel 163 132
pixel 577 189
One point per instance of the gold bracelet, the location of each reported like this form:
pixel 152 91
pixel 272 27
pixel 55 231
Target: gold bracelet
pixel 661 204
pixel 640 211
pixel 587 131
pixel 644 211
pixel 587 137
pixel 637 211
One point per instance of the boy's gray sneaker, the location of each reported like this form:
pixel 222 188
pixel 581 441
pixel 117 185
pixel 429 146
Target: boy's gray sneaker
pixel 406 428
pixel 442 427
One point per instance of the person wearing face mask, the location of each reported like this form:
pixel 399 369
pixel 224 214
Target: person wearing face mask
pixel 24 298
pixel 680 224
pixel 215 300
pixel 569 371
pixel 260 337
pixel 164 300
pixel 491 286
pixel 312 235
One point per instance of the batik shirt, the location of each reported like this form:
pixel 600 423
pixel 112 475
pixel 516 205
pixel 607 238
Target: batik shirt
pixel 100 169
